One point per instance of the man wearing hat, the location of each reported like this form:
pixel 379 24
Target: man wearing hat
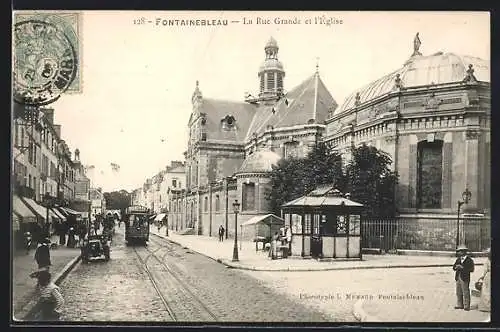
pixel 42 255
pixel 463 267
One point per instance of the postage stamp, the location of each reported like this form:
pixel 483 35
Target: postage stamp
pixel 70 23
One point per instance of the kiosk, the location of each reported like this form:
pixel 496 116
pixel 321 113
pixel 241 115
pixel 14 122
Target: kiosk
pixel 325 224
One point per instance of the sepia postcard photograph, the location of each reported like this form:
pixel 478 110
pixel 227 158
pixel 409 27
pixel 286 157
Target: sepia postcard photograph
pixel 219 167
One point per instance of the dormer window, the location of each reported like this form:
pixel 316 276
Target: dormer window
pixel 228 122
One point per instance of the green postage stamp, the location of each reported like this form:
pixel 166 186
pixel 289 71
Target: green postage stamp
pixel 70 26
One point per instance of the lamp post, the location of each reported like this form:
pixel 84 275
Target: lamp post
pixel 466 195
pixel 236 207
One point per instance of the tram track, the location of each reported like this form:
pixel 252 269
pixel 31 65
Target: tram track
pixel 180 291
pixel 155 285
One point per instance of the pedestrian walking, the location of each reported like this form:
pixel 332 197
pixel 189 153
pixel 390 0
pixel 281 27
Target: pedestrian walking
pixel 485 280
pixel 51 300
pixel 42 255
pixel 463 267
pixel 221 233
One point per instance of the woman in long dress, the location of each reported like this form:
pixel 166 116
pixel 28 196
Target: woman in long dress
pixel 485 300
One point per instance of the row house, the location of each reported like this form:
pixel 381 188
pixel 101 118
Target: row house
pixel 43 172
pixel 156 191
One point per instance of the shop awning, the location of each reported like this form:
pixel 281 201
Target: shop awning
pixel 39 210
pixel 53 215
pixel 59 214
pixel 160 216
pixel 20 209
pixel 267 219
pixel 70 211
pixel 152 217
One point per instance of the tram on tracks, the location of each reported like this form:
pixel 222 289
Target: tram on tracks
pixel 136 221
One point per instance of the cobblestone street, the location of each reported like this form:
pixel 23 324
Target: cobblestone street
pixel 120 290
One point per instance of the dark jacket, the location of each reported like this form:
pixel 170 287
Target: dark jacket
pixel 42 256
pixel 468 268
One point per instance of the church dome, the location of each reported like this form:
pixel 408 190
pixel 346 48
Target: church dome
pixel 420 70
pixel 260 162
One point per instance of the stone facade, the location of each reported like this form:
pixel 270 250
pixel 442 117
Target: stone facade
pixel 432 117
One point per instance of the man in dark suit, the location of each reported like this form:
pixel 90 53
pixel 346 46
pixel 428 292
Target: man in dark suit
pixel 463 267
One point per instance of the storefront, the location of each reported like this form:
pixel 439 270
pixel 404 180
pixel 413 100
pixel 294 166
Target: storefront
pixel 325 224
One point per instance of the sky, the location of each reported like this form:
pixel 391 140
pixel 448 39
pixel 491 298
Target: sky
pixel 138 78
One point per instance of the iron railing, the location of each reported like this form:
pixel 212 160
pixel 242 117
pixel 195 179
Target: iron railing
pixel 425 234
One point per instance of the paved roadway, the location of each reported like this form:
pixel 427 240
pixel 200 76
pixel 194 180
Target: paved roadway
pixel 187 287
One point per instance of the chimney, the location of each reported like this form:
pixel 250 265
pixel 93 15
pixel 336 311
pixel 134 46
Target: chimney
pixel 57 128
pixel 49 115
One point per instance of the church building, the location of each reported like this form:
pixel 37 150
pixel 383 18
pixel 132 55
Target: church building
pixel 432 116
pixel 233 145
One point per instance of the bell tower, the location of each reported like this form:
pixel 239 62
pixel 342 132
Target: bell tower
pixel 271 72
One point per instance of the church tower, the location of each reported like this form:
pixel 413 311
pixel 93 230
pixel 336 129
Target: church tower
pixel 271 72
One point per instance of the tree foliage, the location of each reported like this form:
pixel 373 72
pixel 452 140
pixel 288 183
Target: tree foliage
pixel 295 177
pixel 367 177
pixel 117 200
pixel 371 181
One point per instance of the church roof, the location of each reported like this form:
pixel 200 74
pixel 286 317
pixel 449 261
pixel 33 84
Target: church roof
pixel 420 70
pixel 309 102
pixel 216 110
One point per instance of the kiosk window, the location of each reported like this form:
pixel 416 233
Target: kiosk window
pixel 307 224
pixel 341 224
pixel 316 224
pixel 354 224
pixel 296 224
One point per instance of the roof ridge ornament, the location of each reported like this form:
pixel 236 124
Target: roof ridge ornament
pixel 470 78
pixel 416 45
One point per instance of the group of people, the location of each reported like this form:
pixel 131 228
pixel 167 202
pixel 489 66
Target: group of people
pixel 280 239
pixel 463 267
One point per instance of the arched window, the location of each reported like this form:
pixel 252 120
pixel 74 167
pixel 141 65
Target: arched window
pixel 248 199
pixel 217 203
pixel 429 174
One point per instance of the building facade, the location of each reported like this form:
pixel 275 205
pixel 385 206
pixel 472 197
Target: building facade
pixel 233 145
pixel 43 172
pixel 432 116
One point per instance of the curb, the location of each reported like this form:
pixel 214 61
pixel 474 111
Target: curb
pixel 183 246
pixel 360 313
pixel 300 269
pixel 29 310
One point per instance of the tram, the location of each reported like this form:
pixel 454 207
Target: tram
pixel 136 220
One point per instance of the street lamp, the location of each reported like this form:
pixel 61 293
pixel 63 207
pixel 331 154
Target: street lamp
pixel 466 195
pixel 236 208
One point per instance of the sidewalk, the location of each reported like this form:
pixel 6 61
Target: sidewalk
pixel 23 286
pixel 430 302
pixel 249 259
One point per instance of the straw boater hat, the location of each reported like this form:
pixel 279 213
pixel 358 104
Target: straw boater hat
pixel 462 248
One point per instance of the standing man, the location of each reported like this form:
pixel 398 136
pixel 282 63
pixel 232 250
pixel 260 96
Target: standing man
pixel 42 255
pixel 463 267
pixel 221 233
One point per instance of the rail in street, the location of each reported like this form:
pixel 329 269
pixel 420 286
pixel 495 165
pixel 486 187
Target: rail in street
pixel 180 302
pixel 165 282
